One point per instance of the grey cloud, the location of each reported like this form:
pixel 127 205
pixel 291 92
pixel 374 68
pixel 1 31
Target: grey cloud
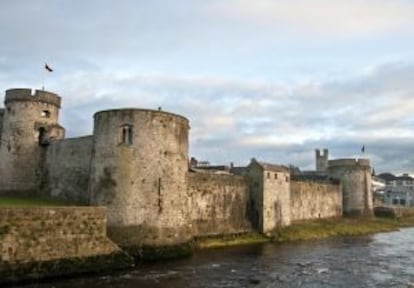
pixel 226 114
pixel 138 54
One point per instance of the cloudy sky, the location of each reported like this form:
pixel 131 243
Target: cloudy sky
pixel 266 78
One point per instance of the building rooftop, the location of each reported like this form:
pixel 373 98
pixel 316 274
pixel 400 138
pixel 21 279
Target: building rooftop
pixel 270 167
pixel 391 177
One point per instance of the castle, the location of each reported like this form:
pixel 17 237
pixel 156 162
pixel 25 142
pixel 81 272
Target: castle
pixel 136 164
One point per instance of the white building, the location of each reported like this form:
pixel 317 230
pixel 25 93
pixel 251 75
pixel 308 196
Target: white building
pixel 399 190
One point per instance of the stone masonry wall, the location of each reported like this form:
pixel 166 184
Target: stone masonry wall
pixel 25 117
pixel 313 200
pixel 219 204
pixel 255 177
pixel 32 236
pixel 355 177
pixel 67 169
pixel 139 172
pixel 276 200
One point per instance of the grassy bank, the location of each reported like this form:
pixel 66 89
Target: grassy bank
pixel 312 230
pixel 319 229
pixel 230 240
pixel 6 202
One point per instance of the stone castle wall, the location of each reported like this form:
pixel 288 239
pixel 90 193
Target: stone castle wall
pixel 219 204
pixel 314 200
pixel 26 117
pixel 67 169
pixel 276 200
pixel 139 172
pixel 269 186
pixel 355 176
pixel 38 242
pixel 255 180
pixel 136 165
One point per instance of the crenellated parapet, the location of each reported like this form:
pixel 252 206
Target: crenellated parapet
pixel 24 94
pixel 321 160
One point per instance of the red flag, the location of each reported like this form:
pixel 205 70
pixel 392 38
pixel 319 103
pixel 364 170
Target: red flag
pixel 48 68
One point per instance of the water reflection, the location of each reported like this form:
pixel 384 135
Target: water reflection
pixel 383 260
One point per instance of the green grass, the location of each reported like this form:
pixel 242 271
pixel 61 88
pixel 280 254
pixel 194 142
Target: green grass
pixel 312 230
pixel 230 240
pixel 319 229
pixel 6 202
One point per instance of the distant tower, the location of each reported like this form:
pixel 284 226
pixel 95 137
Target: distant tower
pixel 29 122
pixel 139 171
pixel 355 177
pixel 321 160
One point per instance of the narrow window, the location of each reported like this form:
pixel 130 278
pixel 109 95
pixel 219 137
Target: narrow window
pixel 42 136
pixel 275 175
pixel 45 114
pixel 126 134
pixel 268 175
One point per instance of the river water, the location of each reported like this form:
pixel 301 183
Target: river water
pixel 381 260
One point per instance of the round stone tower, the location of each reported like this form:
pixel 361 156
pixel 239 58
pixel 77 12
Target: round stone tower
pixel 139 172
pixel 30 121
pixel 355 177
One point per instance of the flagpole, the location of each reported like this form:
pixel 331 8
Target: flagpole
pixel 362 150
pixel 43 80
pixel 47 70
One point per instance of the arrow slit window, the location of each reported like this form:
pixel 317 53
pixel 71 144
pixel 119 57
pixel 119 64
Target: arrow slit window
pixel 126 134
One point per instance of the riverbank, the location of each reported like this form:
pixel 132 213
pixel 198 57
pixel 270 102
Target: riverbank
pixel 383 260
pixel 319 229
pixel 312 230
pixel 229 240
pixel 51 241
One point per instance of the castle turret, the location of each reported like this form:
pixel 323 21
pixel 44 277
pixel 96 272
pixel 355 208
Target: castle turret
pixel 321 160
pixel 139 172
pixel 29 122
pixel 355 177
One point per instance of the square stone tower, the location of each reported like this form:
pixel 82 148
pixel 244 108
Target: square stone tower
pixel 321 160
pixel 270 196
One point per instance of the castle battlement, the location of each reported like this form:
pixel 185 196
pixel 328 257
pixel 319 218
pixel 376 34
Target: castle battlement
pixel 363 163
pixel 136 164
pixel 321 160
pixel 24 94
